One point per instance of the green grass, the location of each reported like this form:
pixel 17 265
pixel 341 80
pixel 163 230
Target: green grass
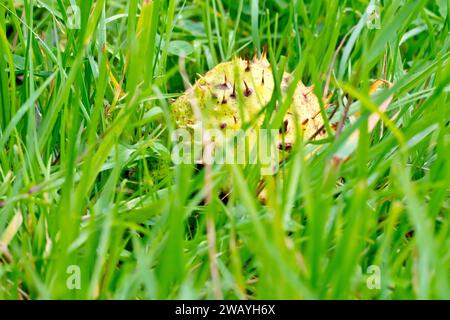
pixel 83 123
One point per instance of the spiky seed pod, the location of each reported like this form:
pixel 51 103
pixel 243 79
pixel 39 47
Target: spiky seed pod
pixel 219 103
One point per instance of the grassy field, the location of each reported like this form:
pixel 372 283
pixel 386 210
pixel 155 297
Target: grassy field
pixel 87 211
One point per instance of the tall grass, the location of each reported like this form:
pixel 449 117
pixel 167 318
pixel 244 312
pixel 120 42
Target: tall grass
pixel 83 122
